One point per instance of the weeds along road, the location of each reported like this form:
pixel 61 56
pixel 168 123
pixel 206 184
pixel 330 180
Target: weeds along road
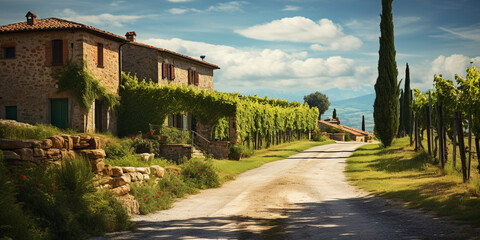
pixel 305 196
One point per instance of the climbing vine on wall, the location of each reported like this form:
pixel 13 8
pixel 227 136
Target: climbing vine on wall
pixel 85 88
pixel 260 122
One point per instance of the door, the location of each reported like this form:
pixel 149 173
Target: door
pixel 59 113
pixel 11 112
pixel 98 116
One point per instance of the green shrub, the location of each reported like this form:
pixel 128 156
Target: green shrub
pixel 64 203
pixel 118 150
pixel 39 131
pixel 235 152
pixel 150 197
pixel 319 138
pixel 14 223
pixel 200 173
pixel 142 145
pixel 169 135
pixel 347 137
pixel 136 161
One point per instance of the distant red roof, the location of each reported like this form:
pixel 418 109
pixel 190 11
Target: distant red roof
pixel 350 130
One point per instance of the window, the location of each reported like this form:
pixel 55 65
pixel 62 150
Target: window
pixel 168 71
pixel 11 112
pixel 99 54
pixel 8 52
pixel 57 52
pixel 193 77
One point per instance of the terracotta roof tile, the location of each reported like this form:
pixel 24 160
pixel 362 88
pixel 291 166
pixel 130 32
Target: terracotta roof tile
pixel 177 54
pixel 52 24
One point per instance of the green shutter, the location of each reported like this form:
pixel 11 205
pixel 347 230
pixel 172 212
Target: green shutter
pixel 59 113
pixel 11 112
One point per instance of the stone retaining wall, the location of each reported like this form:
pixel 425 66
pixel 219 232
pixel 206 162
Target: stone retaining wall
pixel 175 151
pixel 54 149
pixel 219 149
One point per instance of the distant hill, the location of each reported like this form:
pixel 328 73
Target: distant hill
pixel 350 111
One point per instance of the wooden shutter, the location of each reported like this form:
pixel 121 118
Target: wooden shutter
pixel 196 78
pixel 189 76
pixel 99 54
pixel 172 72
pixel 57 52
pixel 164 70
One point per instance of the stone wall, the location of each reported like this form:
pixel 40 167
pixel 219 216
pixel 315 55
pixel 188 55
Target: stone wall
pixel 26 79
pixel 140 61
pixel 53 150
pixel 176 151
pixel 146 62
pixel 219 149
pixel 337 136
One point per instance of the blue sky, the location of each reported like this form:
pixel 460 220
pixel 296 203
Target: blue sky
pixel 287 48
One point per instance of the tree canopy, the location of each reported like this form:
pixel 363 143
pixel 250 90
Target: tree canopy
pixel 318 100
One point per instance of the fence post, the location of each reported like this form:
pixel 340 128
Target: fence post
pixel 461 145
pixel 469 144
pixel 454 152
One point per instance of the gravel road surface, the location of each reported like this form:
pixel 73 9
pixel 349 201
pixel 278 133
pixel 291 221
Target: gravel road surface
pixel 305 196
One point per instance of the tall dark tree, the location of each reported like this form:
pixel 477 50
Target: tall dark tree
pixel 401 125
pixel 334 115
pixel 385 107
pixel 407 102
pixel 363 123
pixel 318 100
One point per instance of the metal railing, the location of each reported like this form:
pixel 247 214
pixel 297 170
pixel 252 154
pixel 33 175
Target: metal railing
pixel 186 137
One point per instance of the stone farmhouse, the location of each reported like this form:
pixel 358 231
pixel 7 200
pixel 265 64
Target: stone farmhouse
pixel 163 66
pixel 31 50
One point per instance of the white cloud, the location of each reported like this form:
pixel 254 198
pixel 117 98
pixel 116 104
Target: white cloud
pixel 449 66
pixel 466 33
pixel 117 3
pixel 182 10
pixel 273 69
pixel 233 6
pixel 104 19
pixel 325 34
pixel 291 8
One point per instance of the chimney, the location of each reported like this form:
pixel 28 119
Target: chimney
pixel 202 57
pixel 31 18
pixel 131 36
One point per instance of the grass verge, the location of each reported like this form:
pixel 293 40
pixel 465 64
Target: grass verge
pixel 398 172
pixel 229 169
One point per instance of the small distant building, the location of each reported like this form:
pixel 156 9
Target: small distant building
pixel 332 120
pixel 355 134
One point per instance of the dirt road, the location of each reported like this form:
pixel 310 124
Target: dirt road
pixel 305 196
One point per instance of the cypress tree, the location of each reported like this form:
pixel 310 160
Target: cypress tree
pixel 407 102
pixel 363 123
pixel 401 125
pixel 385 107
pixel 334 114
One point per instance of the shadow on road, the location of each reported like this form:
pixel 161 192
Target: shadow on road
pixel 353 218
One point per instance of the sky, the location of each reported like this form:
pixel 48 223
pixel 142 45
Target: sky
pixel 287 48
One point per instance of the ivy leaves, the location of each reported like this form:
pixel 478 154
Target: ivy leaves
pixel 85 88
pixel 254 115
